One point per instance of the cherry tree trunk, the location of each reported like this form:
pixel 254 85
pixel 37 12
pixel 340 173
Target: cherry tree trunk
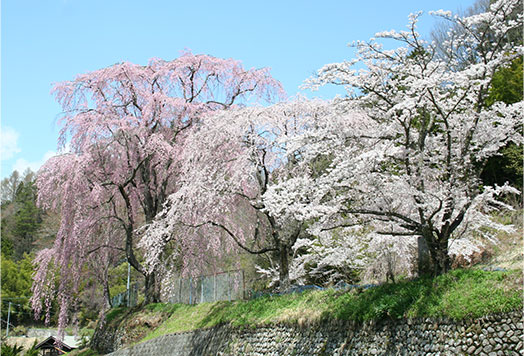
pixel 433 256
pixel 152 293
pixel 440 256
pixel 107 296
pixel 423 257
pixel 284 267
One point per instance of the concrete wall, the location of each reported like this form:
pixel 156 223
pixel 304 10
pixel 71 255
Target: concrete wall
pixel 491 335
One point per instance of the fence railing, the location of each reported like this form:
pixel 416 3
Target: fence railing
pixel 193 290
pixel 127 298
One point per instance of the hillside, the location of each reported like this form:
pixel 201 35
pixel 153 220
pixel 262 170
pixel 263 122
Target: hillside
pixel 459 294
pixel 496 285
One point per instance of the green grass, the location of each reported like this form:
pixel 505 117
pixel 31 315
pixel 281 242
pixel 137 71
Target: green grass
pixel 459 294
pixel 114 313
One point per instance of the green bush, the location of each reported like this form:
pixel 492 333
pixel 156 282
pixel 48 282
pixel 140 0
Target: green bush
pixel 32 351
pixel 7 350
pixel 20 330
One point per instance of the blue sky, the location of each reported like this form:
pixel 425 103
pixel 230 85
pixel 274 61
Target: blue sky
pixel 48 41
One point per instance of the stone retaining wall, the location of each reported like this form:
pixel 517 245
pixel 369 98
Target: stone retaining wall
pixel 488 336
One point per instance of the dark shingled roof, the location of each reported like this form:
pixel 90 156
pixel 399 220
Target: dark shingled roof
pixel 51 343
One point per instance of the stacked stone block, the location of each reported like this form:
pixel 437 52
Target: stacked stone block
pixel 494 335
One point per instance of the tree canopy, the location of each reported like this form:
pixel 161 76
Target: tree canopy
pixel 125 127
pixel 231 163
pixel 167 166
pixel 403 151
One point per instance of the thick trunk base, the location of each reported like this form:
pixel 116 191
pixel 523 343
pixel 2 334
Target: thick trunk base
pixel 424 264
pixel 151 290
pixel 284 268
pixel 433 258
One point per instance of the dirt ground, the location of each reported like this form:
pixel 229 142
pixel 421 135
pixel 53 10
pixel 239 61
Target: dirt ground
pixel 508 252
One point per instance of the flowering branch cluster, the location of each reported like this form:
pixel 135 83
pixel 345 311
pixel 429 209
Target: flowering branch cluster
pixel 126 128
pixel 399 157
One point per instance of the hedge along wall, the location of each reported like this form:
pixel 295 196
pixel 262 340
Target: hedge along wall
pixel 492 335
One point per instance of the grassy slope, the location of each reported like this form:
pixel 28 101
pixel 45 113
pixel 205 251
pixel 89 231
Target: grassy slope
pixel 458 294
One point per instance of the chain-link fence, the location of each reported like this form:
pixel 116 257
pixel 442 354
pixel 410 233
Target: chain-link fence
pixel 122 298
pixel 222 286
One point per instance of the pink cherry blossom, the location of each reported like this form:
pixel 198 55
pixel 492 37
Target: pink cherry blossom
pixel 126 127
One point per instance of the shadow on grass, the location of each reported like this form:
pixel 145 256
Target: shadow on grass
pixel 387 301
pixel 458 294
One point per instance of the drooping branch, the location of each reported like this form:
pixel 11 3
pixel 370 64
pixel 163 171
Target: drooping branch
pixel 103 246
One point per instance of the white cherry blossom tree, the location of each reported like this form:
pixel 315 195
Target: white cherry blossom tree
pixel 229 165
pixel 412 166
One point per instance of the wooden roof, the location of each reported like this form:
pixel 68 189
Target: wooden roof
pixel 51 343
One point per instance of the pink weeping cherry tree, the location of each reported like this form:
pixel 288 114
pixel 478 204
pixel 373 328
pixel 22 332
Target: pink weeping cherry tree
pixel 428 133
pixel 228 166
pixel 126 129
